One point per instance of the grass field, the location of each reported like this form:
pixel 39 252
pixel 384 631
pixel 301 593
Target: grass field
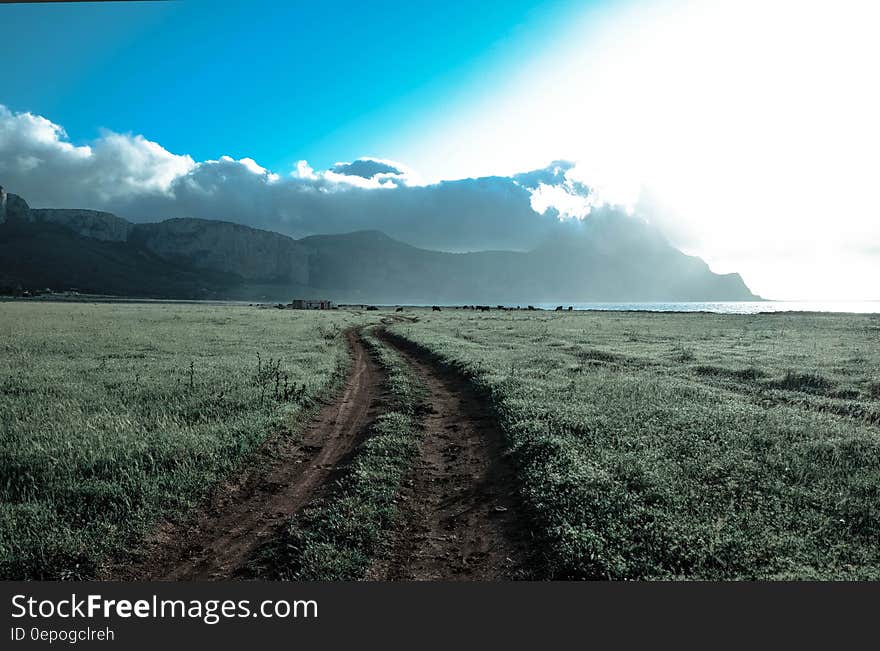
pixel 645 446
pixel 112 416
pixel 684 445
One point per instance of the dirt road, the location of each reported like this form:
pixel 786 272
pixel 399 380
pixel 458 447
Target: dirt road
pixel 459 516
pixel 217 541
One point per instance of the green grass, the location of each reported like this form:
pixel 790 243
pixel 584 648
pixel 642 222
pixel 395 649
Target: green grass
pixel 651 446
pixel 645 445
pixel 112 416
pixel 338 536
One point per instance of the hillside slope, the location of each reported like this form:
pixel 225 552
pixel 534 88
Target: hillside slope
pixel 614 258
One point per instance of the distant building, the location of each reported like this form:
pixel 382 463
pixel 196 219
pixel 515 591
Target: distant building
pixel 309 304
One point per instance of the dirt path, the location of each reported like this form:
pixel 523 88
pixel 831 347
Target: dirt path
pixel 218 540
pixel 459 515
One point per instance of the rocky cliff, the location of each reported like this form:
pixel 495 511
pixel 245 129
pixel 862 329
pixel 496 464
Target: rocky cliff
pixel 13 208
pixel 253 254
pixel 614 259
pixel 98 225
pixel 223 247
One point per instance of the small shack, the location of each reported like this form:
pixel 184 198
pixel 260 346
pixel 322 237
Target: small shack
pixel 310 304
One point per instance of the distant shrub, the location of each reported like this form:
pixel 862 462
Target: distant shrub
pixel 743 374
pixel 683 354
pixel 810 382
pixel 599 356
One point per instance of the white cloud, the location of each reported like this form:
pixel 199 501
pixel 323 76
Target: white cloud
pixel 140 180
pixel 567 204
pixel 37 159
pixel 572 191
pixel 304 171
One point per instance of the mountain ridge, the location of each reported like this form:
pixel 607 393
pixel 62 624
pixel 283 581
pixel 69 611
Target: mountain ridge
pixel 616 258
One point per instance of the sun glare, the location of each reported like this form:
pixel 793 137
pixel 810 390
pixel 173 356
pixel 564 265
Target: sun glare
pixel 745 125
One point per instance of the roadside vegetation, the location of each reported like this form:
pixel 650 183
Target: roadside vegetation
pixel 656 446
pixel 112 416
pixel 340 534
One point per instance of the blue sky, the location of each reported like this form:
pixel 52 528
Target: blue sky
pixel 275 81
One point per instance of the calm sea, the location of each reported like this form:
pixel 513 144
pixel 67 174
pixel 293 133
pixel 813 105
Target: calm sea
pixel 731 307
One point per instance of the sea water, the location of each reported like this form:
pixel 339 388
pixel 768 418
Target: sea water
pixel 728 307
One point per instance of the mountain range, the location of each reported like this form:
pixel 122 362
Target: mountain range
pixel 613 258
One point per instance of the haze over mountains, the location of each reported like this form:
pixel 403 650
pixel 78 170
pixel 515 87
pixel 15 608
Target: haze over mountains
pixel 613 257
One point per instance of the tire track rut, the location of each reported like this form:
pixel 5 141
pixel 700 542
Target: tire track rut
pixel 459 511
pixel 218 540
pixel 459 514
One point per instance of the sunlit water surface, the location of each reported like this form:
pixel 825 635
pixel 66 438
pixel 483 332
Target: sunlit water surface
pixel 730 307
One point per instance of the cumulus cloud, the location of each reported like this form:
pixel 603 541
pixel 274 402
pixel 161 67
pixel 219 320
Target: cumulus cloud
pixel 36 159
pixel 140 180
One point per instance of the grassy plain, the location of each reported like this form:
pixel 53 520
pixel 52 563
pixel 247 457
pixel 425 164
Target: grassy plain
pixel 112 416
pixel 684 445
pixel 645 445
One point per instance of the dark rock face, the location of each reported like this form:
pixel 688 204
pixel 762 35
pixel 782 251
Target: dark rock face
pixel 216 246
pixel 13 208
pixel 223 246
pixel 634 265
pixel 98 225
pixel 614 258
